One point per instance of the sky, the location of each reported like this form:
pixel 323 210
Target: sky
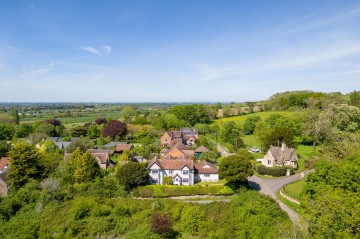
pixel 176 51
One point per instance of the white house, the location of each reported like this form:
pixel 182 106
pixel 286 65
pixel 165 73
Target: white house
pixel 280 156
pixel 180 170
pixel 206 172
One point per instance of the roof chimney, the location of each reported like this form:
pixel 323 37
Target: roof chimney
pixel 283 146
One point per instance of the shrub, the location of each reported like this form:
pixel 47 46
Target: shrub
pixel 174 191
pixel 168 180
pixel 162 225
pixel 274 171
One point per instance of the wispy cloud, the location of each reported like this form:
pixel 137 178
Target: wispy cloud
pixel 100 51
pixel 39 70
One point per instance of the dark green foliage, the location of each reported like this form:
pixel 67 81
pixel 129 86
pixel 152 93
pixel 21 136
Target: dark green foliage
pixel 231 133
pixel 78 131
pixel 83 166
pixel 250 123
pixel 114 129
pixel 6 132
pixel 15 114
pixel 93 131
pixel 132 175
pixel 333 198
pixel 162 224
pixel 99 121
pixel 237 168
pixel 294 99
pixel 23 130
pixel 4 148
pixel 82 143
pixel 24 164
pixel 274 171
pixel 277 129
pixel 355 98
pixel 191 113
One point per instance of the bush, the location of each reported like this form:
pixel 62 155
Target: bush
pixel 274 171
pixel 168 180
pixel 174 190
pixel 162 225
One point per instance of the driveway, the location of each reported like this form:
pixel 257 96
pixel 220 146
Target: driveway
pixel 269 186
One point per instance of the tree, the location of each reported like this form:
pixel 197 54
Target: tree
pixel 355 98
pixel 86 169
pixel 100 121
pixel 237 168
pixel 15 114
pixel 132 175
pixel 4 148
pixel 127 113
pixel 53 121
pixel 251 106
pixel 23 130
pixel 231 133
pixel 78 130
pixel 250 123
pixel 162 225
pixel 191 114
pixel 6 132
pixel 93 131
pixel 277 129
pixel 114 129
pixel 82 143
pixel 48 146
pixel 24 164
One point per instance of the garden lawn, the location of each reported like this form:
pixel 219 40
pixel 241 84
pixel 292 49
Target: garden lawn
pixel 295 190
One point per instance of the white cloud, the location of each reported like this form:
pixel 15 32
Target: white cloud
pixel 100 51
pixel 39 70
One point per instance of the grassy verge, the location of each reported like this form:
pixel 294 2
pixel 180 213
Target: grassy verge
pixel 293 206
pixel 295 190
pixel 220 182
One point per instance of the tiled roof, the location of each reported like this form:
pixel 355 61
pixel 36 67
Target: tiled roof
pixel 4 161
pixel 122 147
pixel 174 164
pixel 201 149
pixel 283 153
pixel 205 167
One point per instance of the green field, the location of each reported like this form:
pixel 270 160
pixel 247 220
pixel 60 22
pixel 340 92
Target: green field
pixel 295 190
pixel 241 119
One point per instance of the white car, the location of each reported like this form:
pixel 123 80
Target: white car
pixel 255 150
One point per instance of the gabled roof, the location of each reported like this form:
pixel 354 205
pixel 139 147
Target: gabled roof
pixel 102 156
pixel 175 164
pixel 282 154
pixel 178 150
pixel 205 167
pixel 201 149
pixel 122 147
pixel 4 161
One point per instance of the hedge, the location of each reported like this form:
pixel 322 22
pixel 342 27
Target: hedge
pixel 274 171
pixel 174 190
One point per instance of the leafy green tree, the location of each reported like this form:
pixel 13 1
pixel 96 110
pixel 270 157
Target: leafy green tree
pixel 191 114
pixel 87 168
pixel 251 106
pixel 355 98
pixel 250 123
pixel 47 129
pixel 231 133
pixel 48 146
pixel 277 129
pixel 82 143
pixel 24 164
pixel 93 131
pixel 127 113
pixel 6 132
pixel 132 175
pixel 4 148
pixel 237 168
pixel 78 131
pixel 23 130
pixel 15 114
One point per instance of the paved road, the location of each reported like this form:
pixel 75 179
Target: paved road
pixel 270 186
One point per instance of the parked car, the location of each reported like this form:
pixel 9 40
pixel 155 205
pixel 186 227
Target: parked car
pixel 255 150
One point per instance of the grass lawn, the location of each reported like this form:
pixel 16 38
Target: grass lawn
pixel 220 182
pixel 241 119
pixel 293 206
pixel 295 190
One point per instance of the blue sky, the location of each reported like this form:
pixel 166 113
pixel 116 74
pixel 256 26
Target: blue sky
pixel 176 51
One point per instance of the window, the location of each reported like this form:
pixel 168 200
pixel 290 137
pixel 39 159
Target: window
pixel 185 172
pixel 154 171
pixel 206 175
pixel 170 171
pixel 155 181
pixel 269 161
pixel 185 180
